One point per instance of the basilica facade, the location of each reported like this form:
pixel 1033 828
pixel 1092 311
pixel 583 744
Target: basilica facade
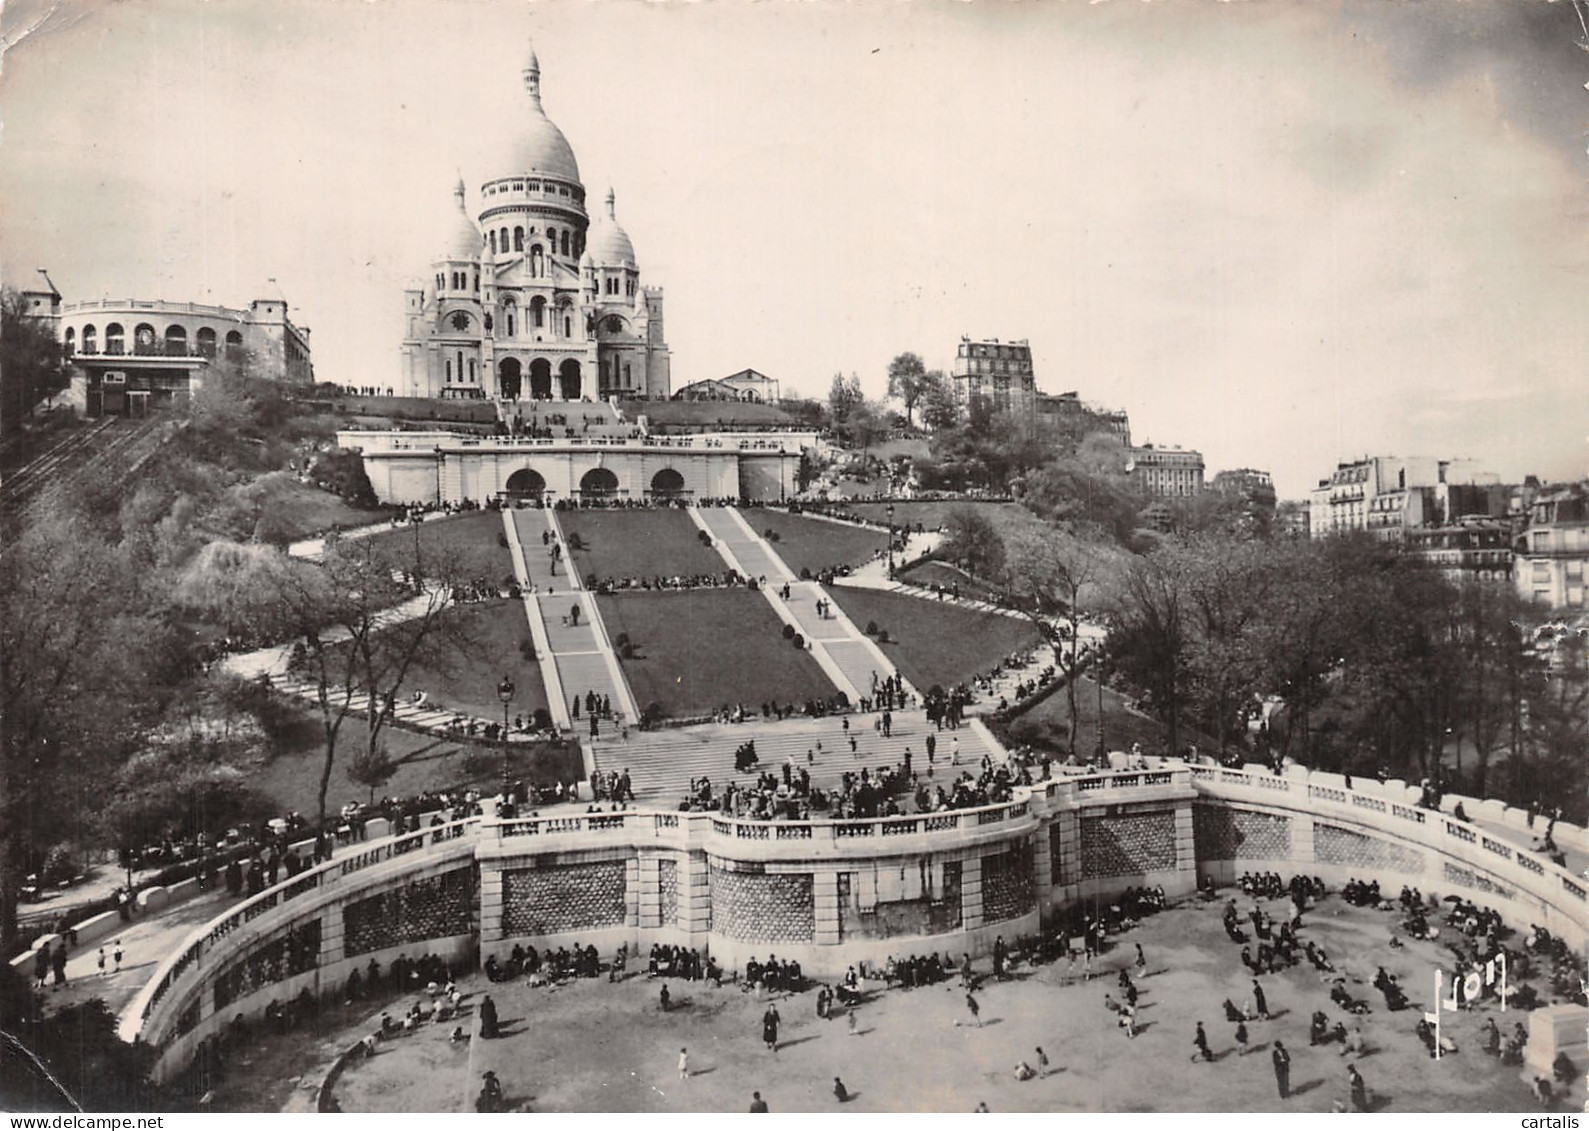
pixel 532 298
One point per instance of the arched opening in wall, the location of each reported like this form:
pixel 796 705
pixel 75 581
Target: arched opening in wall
pixel 541 379
pixel 509 379
pixel 538 312
pixel 668 484
pixel 144 341
pixel 568 378
pixel 536 268
pixel 234 343
pixel 207 342
pixel 564 237
pixel 525 483
pixel 598 483
pixel 115 338
pixel 71 340
pixel 518 239
pixel 90 339
pixel 176 341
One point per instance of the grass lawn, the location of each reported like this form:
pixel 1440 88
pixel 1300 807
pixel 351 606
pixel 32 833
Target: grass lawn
pixel 301 510
pixel 939 573
pixel 467 681
pixel 470 541
pixel 814 544
pixel 425 762
pixel 639 543
pixel 696 651
pixel 934 642
pixel 1006 517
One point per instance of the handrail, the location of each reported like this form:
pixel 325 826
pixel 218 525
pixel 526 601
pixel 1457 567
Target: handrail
pixel 206 937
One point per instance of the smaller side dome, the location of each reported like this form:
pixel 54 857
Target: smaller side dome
pixel 463 239
pixel 609 243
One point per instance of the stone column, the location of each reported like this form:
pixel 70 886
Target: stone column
pixel 1185 849
pixel 330 937
pixel 1042 866
pixel 695 896
pixel 1302 838
pixel 825 897
pixel 491 902
pixel 971 892
pixel 632 890
pixel 1069 875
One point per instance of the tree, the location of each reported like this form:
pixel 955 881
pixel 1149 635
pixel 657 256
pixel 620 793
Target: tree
pixel 1148 635
pixel 1055 573
pixel 81 672
pixel 907 380
pixel 32 366
pixel 972 542
pixel 844 396
pixel 938 408
pixel 373 768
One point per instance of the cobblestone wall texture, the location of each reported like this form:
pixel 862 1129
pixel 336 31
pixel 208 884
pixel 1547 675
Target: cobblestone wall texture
pixel 1239 834
pixel 669 884
pixel 292 953
pixel 1469 878
pixel 1128 845
pixel 762 908
pixel 1008 890
pixel 1332 845
pixel 570 897
pixel 436 907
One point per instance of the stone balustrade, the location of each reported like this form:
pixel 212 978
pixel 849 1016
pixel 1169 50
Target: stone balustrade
pixel 824 892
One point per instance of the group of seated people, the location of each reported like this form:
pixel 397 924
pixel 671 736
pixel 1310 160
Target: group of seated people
pixel 774 975
pixel 725 580
pixel 688 965
pixel 544 968
pixel 1360 894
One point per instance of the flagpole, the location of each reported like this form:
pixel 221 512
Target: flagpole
pixel 1439 978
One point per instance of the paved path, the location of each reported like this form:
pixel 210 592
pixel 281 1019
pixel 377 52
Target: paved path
pixel 579 643
pixel 661 764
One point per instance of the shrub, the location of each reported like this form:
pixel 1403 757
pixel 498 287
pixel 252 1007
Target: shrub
pixel 799 641
pixel 543 719
pixel 653 711
pixel 620 640
pixel 805 573
pixel 626 650
pixel 871 628
pixel 771 535
pixel 575 542
pixel 527 650
pixel 590 580
pixel 788 631
pixel 703 537
pixel 502 539
pixel 477 761
pixel 882 636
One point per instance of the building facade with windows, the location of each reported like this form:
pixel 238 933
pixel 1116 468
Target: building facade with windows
pixel 999 373
pixel 1389 495
pixel 1470 549
pixel 746 386
pixel 131 355
pixel 531 297
pixel 1553 552
pixel 1163 473
pixel 1068 406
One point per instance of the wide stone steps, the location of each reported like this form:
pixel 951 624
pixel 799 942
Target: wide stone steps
pixel 582 664
pixel 531 524
pixel 662 764
pixel 580 672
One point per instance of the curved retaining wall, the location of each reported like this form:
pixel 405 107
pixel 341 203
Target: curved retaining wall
pixel 824 893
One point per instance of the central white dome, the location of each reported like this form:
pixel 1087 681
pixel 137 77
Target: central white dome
pixel 539 146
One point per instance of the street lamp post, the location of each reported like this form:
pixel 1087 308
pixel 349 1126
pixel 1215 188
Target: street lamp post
pixel 890 541
pixel 505 691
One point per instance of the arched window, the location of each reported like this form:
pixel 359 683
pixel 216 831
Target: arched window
pixel 471 371
pixel 512 329
pixel 207 342
pixel 460 365
pixel 477 281
pixel 493 237
pixel 614 324
pixel 114 338
pixel 234 341
pixel 518 239
pixel 176 341
pixel 504 234
pixel 538 311
pixel 551 240
pixel 568 327
pixel 90 339
pixel 565 241
pixel 449 371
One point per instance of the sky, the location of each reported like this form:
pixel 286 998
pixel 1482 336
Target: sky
pixel 1282 233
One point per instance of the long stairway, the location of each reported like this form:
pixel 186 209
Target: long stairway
pixel 662 764
pixel 755 557
pixel 577 638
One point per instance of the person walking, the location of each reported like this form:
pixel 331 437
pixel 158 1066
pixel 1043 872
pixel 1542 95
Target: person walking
pixel 853 1015
pixel 840 1092
pixel 975 1008
pixel 769 1028
pixel 1260 1003
pixel 1142 961
pixel 1042 1061
pixel 1241 1038
pixel 1359 1089
pixel 758 1106
pixel 684 1064
pixel 1282 1062
pixel 116 957
pixel 1201 1043
pixel 101 962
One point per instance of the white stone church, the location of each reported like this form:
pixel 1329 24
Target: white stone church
pixel 531 298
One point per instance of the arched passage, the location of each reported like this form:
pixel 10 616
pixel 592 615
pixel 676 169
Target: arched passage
pixel 568 377
pixel 509 379
pixel 598 483
pixel 667 483
pixel 541 379
pixel 525 483
pixel 176 341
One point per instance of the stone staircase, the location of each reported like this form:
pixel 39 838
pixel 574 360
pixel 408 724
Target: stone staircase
pixel 579 643
pixel 661 764
pixel 756 559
